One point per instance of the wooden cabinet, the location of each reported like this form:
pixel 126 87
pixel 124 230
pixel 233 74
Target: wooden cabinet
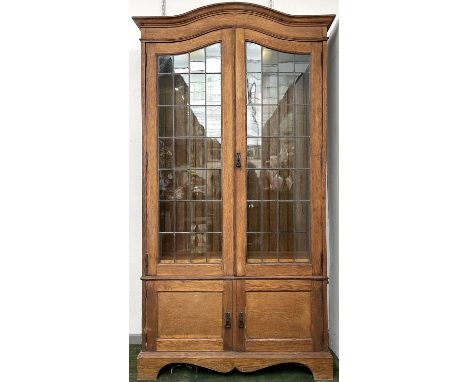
pixel 234 148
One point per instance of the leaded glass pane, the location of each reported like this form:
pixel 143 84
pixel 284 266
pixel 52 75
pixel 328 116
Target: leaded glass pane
pixel 278 161
pixel 189 156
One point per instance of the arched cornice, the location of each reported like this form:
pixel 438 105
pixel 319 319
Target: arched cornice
pixel 234 15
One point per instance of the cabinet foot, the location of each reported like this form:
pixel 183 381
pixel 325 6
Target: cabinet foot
pixel 149 364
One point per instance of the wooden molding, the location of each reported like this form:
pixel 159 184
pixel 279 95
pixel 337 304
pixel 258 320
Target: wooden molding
pixel 234 15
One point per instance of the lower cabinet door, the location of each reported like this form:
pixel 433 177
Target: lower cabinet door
pixel 188 315
pixel 280 315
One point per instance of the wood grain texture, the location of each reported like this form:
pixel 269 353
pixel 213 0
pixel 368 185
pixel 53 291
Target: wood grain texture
pixel 316 222
pixel 275 315
pixel 286 285
pixel 151 163
pixel 281 315
pixel 151 315
pixel 241 147
pixel 318 326
pixel 187 314
pixel 199 344
pixel 278 269
pixel 233 15
pixel 190 286
pixel 319 363
pixel 277 43
pixel 205 277
pixel 324 187
pixel 189 269
pixel 228 147
pixel 228 307
pixel 279 345
pixel 144 254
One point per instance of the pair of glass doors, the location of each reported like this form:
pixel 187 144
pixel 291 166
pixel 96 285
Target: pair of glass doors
pixel 233 158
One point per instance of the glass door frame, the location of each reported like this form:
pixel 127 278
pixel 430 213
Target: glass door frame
pixel 317 184
pixel 151 266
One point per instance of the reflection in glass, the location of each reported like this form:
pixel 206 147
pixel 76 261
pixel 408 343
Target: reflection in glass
pixel 286 62
pixel 254 57
pixel 181 87
pixel 197 89
pixel 181 148
pixel 181 121
pixel 166 247
pixel 213 153
pixel 254 88
pixel 181 63
pixel 254 120
pixel 182 248
pixel 197 61
pixel 213 58
pixel 213 121
pixel 189 156
pixel 269 60
pixel 166 217
pixel 166 89
pixel 278 169
pixel 213 247
pixel 198 121
pixel 166 153
pixel 213 89
pixel 182 211
pixel 213 184
pixel 270 89
pixel 165 121
pixel 165 64
pixel 198 184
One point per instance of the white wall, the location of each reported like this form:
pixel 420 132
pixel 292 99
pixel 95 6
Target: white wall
pixel 173 7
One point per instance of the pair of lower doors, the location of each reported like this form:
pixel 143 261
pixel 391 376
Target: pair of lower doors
pixel 234 314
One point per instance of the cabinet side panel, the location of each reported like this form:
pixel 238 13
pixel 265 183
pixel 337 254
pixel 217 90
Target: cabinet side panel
pixel 324 190
pixel 143 206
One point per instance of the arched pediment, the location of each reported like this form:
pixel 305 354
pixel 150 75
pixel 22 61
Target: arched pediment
pixel 234 15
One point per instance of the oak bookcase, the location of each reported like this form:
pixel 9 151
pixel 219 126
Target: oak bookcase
pixel 234 148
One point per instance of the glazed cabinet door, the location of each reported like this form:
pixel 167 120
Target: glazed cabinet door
pixel 279 130
pixel 189 156
pixel 280 315
pixel 187 315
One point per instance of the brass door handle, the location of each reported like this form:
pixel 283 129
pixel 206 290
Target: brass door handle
pixel 241 321
pixel 227 320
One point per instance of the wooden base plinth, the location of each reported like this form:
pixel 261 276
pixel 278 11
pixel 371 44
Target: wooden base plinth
pixel 150 363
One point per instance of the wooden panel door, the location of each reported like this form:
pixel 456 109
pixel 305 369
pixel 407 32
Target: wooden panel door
pixel 279 130
pixel 280 315
pixel 189 315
